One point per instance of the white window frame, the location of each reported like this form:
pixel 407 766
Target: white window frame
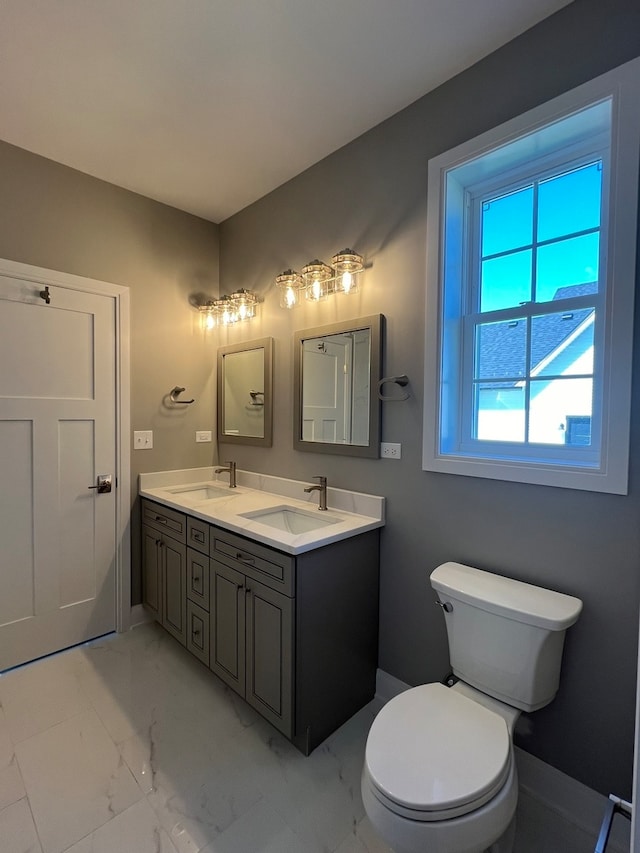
pixel 443 449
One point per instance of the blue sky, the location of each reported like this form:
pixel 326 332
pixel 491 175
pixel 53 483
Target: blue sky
pixel 567 205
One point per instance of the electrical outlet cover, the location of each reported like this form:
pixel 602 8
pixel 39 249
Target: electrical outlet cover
pixel 390 450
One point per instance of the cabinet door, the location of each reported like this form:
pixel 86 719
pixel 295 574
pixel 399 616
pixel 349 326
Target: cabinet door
pixel 198 632
pixel 174 588
pixel 227 624
pixel 269 638
pixel 151 575
pixel 198 578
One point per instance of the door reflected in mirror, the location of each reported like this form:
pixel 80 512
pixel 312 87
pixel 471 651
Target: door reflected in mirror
pixel 245 392
pixel 336 367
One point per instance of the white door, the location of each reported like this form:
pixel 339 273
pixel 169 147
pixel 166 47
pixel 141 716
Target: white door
pixel 326 367
pixel 57 434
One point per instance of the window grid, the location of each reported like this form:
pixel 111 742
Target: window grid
pixel 527 309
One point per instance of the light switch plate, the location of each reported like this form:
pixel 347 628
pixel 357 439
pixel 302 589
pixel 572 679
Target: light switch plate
pixel 142 439
pixel 203 435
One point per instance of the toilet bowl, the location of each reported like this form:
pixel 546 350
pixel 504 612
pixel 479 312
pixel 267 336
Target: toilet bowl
pixel 439 774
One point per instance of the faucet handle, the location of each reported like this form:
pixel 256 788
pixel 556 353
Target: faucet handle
pixel 320 477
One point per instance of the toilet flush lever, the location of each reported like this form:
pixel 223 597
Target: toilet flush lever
pixel 447 606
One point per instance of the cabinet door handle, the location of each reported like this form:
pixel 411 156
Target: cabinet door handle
pixel 196 632
pixel 249 561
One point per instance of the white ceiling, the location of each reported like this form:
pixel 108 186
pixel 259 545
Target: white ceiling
pixel 207 105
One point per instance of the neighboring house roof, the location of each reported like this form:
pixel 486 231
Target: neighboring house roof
pixel 502 346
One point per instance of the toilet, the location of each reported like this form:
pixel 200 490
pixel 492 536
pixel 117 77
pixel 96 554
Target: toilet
pixel 439 774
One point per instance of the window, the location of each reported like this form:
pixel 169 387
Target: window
pixel 531 275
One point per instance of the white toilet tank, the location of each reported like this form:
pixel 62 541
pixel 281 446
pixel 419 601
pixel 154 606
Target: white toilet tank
pixel 505 637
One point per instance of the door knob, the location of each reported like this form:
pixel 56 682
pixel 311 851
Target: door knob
pixel 104 483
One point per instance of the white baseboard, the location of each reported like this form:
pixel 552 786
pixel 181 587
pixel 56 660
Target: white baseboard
pixel 558 792
pixel 139 616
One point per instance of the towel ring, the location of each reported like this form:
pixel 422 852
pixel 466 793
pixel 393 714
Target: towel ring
pixel 401 380
pixel 173 396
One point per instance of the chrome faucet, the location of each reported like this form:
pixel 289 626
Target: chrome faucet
pixel 231 471
pixel 322 488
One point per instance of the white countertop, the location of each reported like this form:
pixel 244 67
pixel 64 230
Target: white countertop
pixel 351 512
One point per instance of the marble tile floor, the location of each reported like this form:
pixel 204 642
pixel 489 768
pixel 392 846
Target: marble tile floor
pixel 129 745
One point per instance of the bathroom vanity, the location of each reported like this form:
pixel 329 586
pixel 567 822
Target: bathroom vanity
pixel 275 597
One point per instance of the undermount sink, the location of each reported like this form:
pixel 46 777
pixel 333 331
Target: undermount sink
pixel 200 492
pixel 291 519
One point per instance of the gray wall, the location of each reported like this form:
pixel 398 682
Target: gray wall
pixel 52 216
pixel 371 195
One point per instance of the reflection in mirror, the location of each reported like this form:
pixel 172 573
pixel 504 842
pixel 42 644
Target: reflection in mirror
pixel 245 393
pixel 336 367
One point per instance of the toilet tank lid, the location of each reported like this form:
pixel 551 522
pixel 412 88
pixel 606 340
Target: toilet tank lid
pixel 514 599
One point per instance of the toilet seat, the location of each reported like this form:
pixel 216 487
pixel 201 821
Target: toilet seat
pixel 434 754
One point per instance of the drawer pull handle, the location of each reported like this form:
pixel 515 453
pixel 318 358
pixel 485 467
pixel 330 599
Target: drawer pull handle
pixel 161 519
pixel 250 561
pixel 199 537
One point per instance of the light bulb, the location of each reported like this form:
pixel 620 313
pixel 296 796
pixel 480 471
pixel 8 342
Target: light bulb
pixel 347 281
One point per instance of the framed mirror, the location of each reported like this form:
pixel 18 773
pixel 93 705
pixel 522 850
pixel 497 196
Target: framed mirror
pixel 245 393
pixel 336 371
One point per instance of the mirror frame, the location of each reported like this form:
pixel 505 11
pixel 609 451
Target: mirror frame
pixel 375 325
pixel 265 344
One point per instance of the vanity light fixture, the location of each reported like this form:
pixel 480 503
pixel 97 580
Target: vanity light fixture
pixel 318 280
pixel 291 288
pixel 227 310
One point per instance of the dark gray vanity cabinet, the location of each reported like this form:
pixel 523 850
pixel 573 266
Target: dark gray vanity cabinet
pixel 252 636
pixel 296 636
pixel 164 556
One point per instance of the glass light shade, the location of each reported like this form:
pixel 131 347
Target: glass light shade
pixel 208 315
pixel 225 312
pixel 290 285
pixel 317 277
pixel 244 304
pixel 347 264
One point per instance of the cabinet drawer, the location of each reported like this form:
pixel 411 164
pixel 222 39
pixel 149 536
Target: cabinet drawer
pixel 198 535
pixel 167 520
pixel 198 578
pixel 271 567
pixel 198 632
